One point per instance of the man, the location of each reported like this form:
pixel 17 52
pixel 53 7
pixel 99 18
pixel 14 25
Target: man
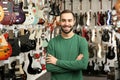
pixel 67 53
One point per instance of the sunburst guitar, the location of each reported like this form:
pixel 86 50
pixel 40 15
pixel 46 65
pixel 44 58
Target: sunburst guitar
pixel 5 48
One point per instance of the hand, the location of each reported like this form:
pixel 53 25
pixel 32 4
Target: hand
pixel 51 59
pixel 79 57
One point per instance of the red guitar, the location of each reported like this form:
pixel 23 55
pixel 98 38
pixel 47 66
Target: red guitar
pixel 5 48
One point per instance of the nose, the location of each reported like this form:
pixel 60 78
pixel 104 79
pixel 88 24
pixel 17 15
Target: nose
pixel 66 22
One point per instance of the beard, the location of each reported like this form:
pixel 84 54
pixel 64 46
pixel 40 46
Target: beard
pixel 66 32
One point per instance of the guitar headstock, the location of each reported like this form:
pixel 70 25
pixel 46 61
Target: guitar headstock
pixel 71 1
pixel 90 0
pixel 80 0
pixel 94 15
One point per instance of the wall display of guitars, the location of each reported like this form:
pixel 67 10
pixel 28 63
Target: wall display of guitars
pixel 31 42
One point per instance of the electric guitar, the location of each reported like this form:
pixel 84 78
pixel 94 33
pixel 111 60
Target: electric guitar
pixel 19 72
pixel 1 13
pixel 6 70
pixel 28 10
pixel 105 35
pixel 17 9
pixel 41 11
pixel 34 11
pixel 32 70
pixel 5 48
pixel 109 17
pixel 81 17
pixel 9 15
pixel 111 53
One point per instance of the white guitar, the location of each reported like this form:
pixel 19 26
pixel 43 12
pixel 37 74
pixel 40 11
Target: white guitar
pixel 107 67
pixel 88 19
pixel 93 35
pixel 28 9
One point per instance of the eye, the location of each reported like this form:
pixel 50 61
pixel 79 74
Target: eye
pixel 62 20
pixel 70 20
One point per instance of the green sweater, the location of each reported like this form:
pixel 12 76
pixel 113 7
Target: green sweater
pixel 66 51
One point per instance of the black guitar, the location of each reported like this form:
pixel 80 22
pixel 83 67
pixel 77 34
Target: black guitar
pixel 105 35
pixel 31 70
pixel 17 71
pixel 6 72
pixel 110 54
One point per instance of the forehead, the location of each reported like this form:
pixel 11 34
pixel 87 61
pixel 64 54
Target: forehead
pixel 67 16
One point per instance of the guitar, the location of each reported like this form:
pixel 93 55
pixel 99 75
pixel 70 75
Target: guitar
pixel 88 19
pixel 109 18
pixel 77 29
pixel 111 53
pixel 41 11
pixel 91 47
pixel 1 13
pixel 34 11
pixel 64 4
pixel 28 10
pixel 9 16
pixel 5 48
pixel 85 33
pixel 93 38
pixel 52 6
pixel 57 8
pixel 17 9
pixel 105 35
pixel 6 70
pixel 39 40
pixel 19 72
pixel 81 17
pixel 30 69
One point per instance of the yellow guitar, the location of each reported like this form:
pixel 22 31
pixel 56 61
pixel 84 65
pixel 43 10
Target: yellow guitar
pixel 1 13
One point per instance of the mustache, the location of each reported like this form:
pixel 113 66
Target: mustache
pixel 66 26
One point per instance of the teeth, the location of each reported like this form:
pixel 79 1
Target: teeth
pixel 114 12
pixel 115 18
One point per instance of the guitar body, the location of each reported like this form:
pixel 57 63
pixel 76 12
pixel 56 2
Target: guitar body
pixel 9 16
pixel 20 15
pixel 5 48
pixel 31 70
pixel 105 35
pixel 109 17
pixel 81 19
pixel 102 22
pixel 28 9
pixel 1 13
pixel 111 54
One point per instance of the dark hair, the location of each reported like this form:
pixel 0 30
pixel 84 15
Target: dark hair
pixel 67 11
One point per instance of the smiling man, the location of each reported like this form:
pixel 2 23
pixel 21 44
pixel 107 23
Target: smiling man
pixel 67 53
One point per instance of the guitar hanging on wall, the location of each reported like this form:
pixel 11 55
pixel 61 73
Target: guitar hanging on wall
pixel 111 54
pixel 17 9
pixel 1 13
pixel 5 48
pixel 9 15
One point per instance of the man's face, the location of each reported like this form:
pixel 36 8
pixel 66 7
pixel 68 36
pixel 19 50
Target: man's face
pixel 67 22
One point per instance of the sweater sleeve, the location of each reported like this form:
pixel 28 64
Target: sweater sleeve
pixel 77 64
pixel 51 67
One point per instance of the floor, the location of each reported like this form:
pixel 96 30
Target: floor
pixel 47 77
